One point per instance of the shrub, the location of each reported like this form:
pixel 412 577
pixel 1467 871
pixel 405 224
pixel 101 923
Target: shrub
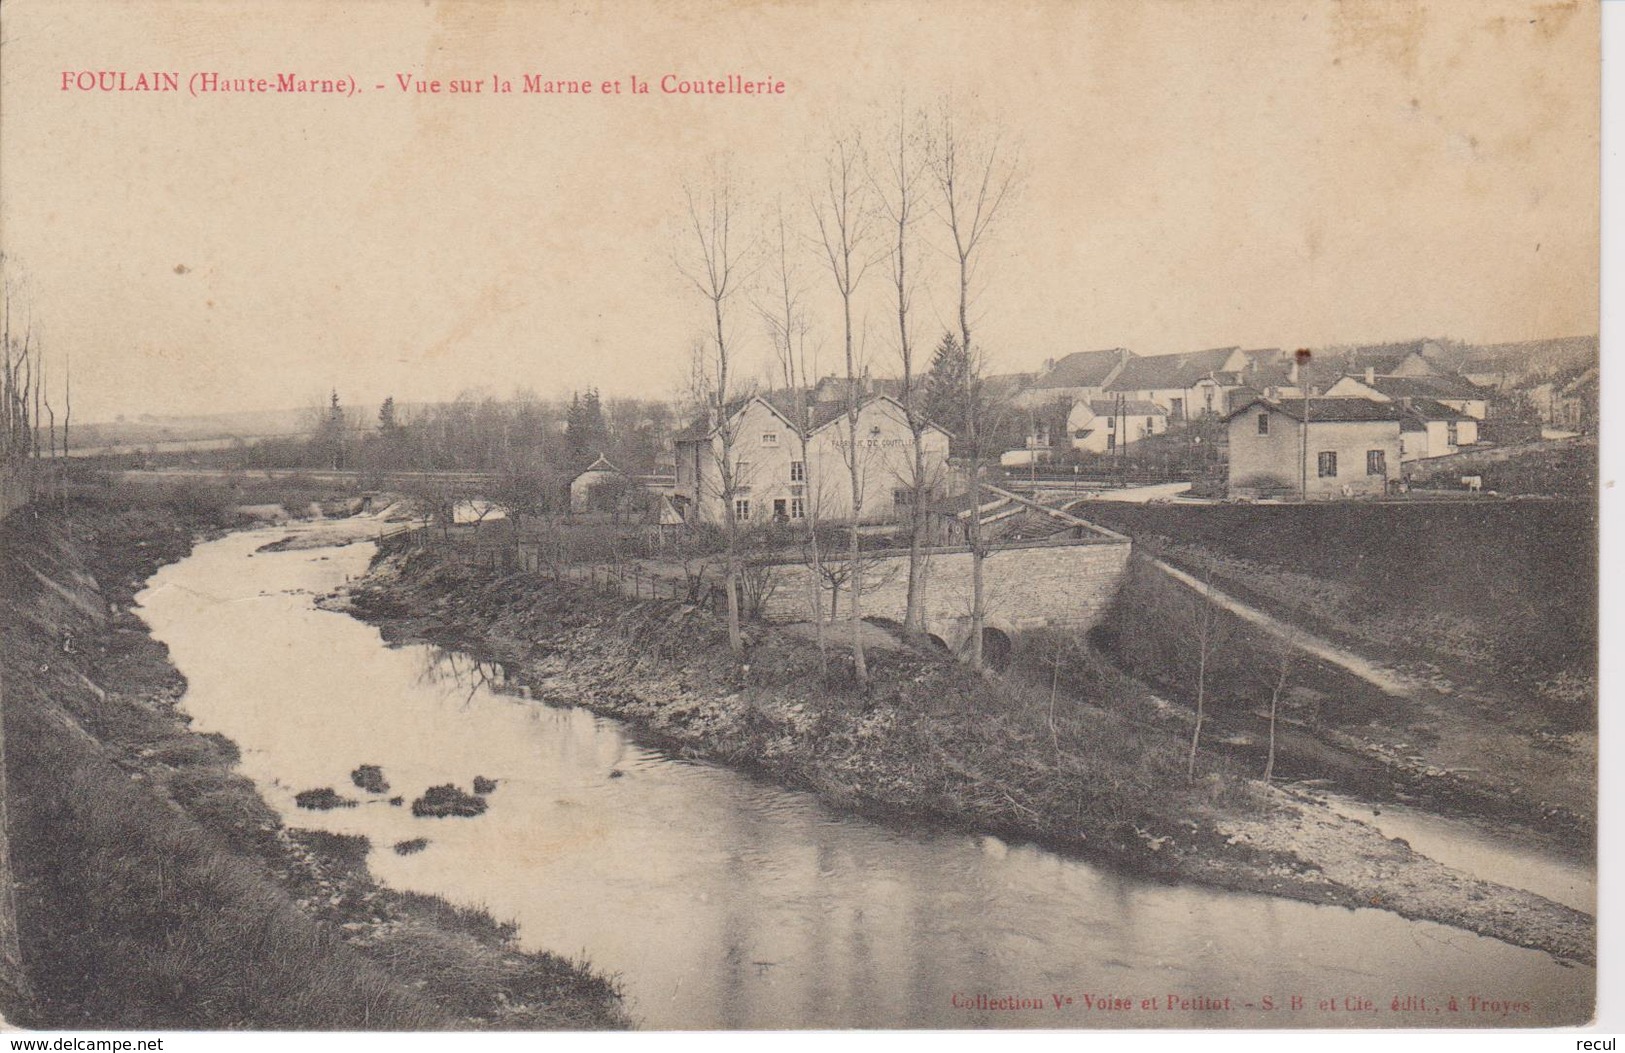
pixel 441 801
pixel 370 777
pixel 322 800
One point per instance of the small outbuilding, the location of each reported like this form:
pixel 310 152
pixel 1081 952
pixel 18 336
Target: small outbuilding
pixel 598 473
pixel 1317 448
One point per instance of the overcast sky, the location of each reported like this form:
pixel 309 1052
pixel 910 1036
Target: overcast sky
pixel 1193 175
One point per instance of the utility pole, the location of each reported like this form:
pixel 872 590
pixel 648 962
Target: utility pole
pixel 1302 357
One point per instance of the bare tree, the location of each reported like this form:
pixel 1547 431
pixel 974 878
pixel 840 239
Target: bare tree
pixel 898 191
pixel 715 265
pixel 788 327
pixel 975 180
pixel 841 209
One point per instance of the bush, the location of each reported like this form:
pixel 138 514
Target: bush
pixel 440 801
pixel 322 800
pixel 370 777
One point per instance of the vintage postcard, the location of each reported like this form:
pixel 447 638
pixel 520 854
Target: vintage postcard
pixel 799 515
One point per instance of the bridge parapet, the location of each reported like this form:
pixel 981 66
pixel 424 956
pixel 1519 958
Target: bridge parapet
pixel 1027 585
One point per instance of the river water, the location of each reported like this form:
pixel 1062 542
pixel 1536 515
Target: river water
pixel 726 902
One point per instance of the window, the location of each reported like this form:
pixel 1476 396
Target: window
pixel 1263 424
pixel 742 509
pixel 1111 442
pixel 1178 408
pixel 779 513
pixel 742 470
pixel 1328 465
pixel 1111 423
pixel 1454 434
pixel 1207 396
pixel 1376 462
pixel 798 471
pixel 770 438
pixel 798 508
pixel 1151 425
pixel 902 498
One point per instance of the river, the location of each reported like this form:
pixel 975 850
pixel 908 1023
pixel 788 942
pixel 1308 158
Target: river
pixel 723 901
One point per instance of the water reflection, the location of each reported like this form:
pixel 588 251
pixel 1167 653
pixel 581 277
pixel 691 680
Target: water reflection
pixel 726 902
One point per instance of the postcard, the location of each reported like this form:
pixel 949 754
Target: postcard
pixel 803 515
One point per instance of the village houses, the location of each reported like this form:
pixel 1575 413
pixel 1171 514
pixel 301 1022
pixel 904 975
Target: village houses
pixel 774 480
pixel 1317 448
pixel 1106 425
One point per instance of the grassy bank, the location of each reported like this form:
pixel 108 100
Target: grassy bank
pixel 1071 754
pixel 155 888
pixel 1493 754
pixel 1492 592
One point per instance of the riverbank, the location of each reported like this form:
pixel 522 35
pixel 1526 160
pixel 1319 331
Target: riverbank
pixel 931 742
pixel 155 888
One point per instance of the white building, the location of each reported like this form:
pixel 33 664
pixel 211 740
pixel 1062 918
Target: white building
pixel 775 476
pixel 1104 425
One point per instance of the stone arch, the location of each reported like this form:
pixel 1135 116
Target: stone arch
pixel 996 648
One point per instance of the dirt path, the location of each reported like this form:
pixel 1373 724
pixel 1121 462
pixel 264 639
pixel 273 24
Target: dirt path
pixel 1384 679
pixel 1458 743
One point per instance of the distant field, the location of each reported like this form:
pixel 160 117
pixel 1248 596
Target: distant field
pixel 1497 587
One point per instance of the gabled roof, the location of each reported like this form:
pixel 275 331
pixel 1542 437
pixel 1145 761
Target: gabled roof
pixel 827 413
pixel 1083 369
pixel 1130 408
pixel 1004 385
pixel 1426 387
pixel 1170 371
pixel 701 428
pixel 600 465
pixel 1384 358
pixel 1428 409
pixel 782 404
pixel 1327 410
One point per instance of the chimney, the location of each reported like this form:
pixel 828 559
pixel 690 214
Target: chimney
pixel 1370 374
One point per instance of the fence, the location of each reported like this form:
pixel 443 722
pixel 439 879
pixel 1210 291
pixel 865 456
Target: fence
pixel 503 551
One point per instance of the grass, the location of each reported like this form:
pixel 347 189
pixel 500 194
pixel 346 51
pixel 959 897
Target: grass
pixel 1485 589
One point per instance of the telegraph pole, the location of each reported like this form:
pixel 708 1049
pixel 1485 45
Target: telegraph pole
pixel 1302 356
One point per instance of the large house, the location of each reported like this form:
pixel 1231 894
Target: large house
pixel 1081 375
pixel 1458 393
pixel 1318 448
pixel 1191 385
pixel 774 479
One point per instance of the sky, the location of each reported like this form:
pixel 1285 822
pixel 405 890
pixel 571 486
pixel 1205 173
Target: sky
pixel 1273 173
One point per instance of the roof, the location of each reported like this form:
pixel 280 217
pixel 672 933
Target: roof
pixel 1170 371
pixel 1328 410
pixel 1426 387
pixel 1004 385
pixel 783 404
pixel 1130 407
pixel 600 465
pixel 833 388
pixel 701 428
pixel 1381 357
pixel 1427 409
pixel 1083 369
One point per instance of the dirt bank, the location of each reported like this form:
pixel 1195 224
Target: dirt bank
pixel 1082 769
pixel 155 888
